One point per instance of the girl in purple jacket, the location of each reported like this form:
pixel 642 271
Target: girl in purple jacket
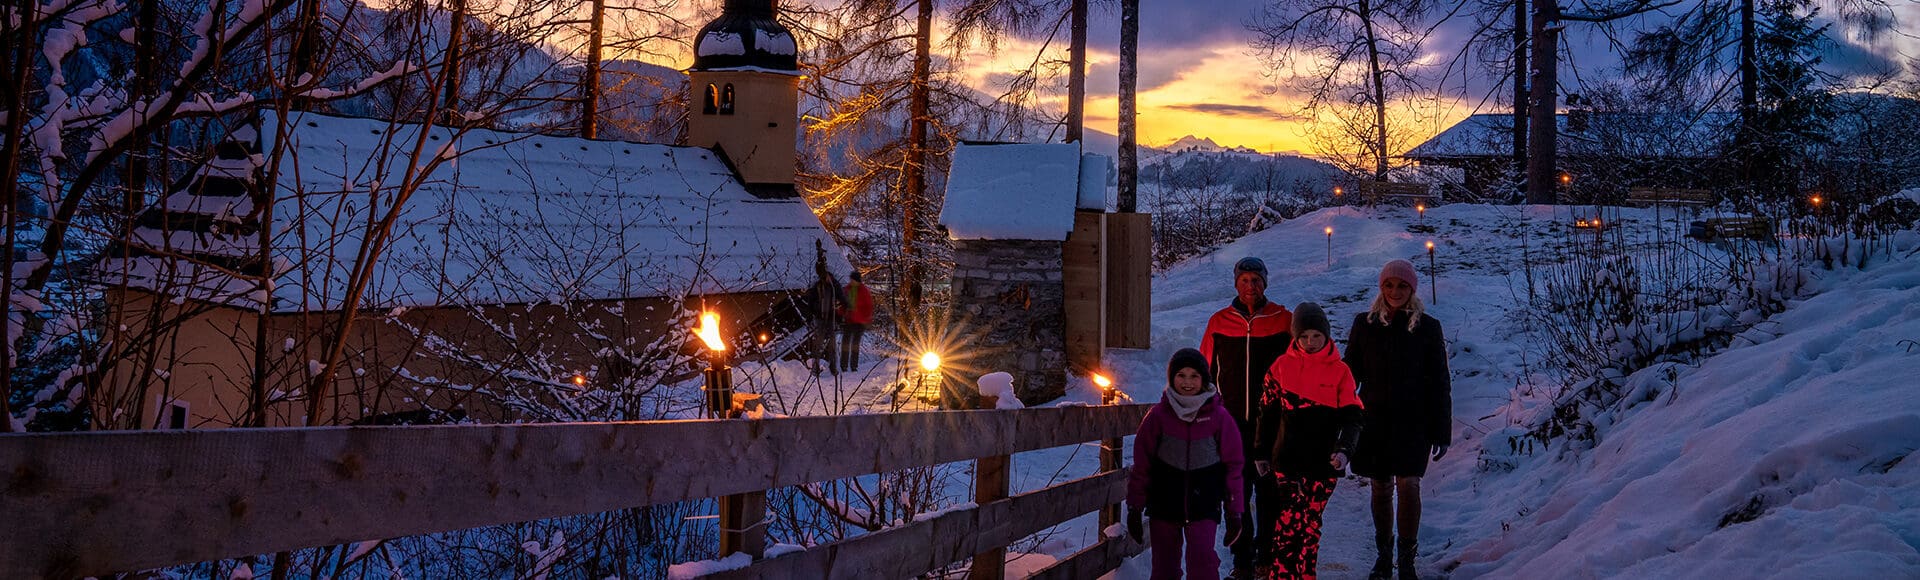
pixel 1186 463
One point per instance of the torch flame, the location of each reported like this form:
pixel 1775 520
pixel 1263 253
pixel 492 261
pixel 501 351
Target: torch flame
pixel 1329 231
pixel 709 331
pixel 930 361
pixel 1102 381
pixel 1429 246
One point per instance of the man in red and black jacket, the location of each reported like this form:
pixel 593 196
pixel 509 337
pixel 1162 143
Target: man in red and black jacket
pixel 1241 342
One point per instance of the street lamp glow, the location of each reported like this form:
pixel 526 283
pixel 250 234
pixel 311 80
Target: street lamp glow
pixel 930 361
pixel 709 332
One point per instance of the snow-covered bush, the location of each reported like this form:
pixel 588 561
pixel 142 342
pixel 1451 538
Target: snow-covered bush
pixel 1614 309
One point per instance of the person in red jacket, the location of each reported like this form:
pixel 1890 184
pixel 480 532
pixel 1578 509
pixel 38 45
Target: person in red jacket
pixel 855 316
pixel 1187 462
pixel 1309 426
pixel 1241 341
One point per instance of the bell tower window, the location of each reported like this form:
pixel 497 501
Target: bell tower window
pixel 726 100
pixel 712 102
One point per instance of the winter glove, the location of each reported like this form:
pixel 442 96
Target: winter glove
pixel 1339 460
pixel 1439 451
pixel 1263 468
pixel 1233 529
pixel 1136 528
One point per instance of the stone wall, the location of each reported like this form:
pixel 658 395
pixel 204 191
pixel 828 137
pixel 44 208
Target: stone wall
pixel 1010 296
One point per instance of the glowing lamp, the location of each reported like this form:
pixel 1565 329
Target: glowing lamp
pixel 1329 231
pixel 1102 381
pixel 579 380
pixel 930 361
pixel 1429 246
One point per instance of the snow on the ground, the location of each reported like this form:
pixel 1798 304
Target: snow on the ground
pixel 1800 426
pixel 1785 455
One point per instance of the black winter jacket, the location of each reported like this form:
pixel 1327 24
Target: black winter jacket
pixel 1298 437
pixel 1403 378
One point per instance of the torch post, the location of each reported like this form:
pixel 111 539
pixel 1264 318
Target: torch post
pixel 1433 275
pixel 743 515
pixel 1110 450
pixel 1329 247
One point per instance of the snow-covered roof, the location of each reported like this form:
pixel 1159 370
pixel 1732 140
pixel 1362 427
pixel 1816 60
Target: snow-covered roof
pixel 1642 135
pixel 1017 191
pixel 502 218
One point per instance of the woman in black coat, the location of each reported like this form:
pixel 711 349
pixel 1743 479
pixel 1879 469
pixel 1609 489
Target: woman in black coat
pixel 1399 358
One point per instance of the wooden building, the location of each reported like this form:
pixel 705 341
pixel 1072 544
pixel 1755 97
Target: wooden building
pixel 516 277
pixel 1602 154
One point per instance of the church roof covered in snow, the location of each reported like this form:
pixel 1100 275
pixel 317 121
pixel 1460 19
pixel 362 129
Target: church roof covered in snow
pixel 477 217
pixel 1592 134
pixel 1020 191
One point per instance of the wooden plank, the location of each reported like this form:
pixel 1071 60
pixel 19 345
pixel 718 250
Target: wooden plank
pixel 104 502
pixel 1669 196
pixel 1083 278
pixel 1129 280
pixel 992 480
pixel 1092 562
pixel 924 545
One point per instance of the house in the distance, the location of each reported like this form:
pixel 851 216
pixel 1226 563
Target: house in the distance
pixel 1602 154
pixel 510 276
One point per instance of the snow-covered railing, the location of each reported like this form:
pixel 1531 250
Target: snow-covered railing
pixel 80 504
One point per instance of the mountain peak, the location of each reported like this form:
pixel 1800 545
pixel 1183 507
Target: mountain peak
pixel 1192 143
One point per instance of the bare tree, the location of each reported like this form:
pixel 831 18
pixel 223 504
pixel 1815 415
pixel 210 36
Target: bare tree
pixel 1350 58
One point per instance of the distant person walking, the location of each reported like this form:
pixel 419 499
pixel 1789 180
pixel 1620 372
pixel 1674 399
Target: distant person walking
pixel 1307 430
pixel 827 300
pixel 1399 357
pixel 1241 341
pixel 855 317
pixel 1187 462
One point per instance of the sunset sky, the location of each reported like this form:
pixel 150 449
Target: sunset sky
pixel 1198 75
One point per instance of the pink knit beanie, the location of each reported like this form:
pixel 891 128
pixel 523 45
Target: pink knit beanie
pixel 1401 269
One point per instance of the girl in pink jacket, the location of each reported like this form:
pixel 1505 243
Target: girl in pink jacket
pixel 1187 463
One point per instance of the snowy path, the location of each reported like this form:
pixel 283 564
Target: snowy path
pixel 1580 511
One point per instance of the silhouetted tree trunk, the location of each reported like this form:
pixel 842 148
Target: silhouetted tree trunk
pixel 590 78
pixel 1520 74
pixel 914 184
pixel 1077 77
pixel 1129 177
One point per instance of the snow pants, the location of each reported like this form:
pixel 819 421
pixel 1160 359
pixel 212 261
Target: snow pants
pixel 1168 536
pixel 1295 547
pixel 850 336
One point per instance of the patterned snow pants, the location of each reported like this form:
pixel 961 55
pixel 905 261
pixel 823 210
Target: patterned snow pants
pixel 1296 533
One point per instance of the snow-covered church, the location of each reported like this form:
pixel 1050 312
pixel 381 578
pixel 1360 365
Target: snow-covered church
pixel 513 276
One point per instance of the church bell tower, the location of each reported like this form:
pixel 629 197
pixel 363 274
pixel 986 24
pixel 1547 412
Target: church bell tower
pixel 745 81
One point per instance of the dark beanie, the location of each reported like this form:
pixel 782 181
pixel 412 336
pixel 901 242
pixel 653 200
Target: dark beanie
pixel 1309 316
pixel 1188 358
pixel 1250 264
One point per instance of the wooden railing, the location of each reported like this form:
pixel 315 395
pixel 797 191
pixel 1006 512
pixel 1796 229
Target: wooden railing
pixel 79 504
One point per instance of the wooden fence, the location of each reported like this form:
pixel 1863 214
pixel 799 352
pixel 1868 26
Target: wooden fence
pixel 79 504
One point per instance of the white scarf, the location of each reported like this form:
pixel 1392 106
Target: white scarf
pixel 1187 407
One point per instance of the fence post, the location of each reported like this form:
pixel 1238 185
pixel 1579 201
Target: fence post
pixel 991 482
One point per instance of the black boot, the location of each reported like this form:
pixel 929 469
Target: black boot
pixel 1383 562
pixel 1408 547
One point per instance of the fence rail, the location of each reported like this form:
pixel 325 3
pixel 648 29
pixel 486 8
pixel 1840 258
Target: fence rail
pixel 79 504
